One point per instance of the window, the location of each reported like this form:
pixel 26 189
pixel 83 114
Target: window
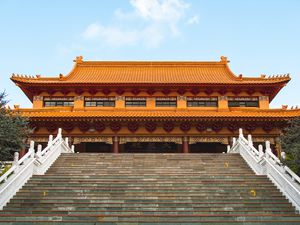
pixel 243 102
pixel 202 102
pixel 166 102
pixel 135 102
pixel 99 101
pixel 58 101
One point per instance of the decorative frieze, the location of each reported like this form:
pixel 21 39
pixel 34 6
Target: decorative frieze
pixel 150 126
pixel 168 126
pixel 181 98
pixel 115 126
pixel 263 139
pixel 223 140
pixel 120 98
pixel 177 140
pixel 263 98
pixel 78 140
pixel 78 98
pixel 185 126
pixel 37 98
pixel 223 98
pixel 133 126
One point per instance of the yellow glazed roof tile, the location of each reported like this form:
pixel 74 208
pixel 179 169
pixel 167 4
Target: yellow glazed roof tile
pixel 149 72
pixel 55 113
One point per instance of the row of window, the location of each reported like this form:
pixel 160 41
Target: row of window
pixel 159 102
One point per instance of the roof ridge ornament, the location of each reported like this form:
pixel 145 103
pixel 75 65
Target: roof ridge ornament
pixel 78 59
pixel 224 59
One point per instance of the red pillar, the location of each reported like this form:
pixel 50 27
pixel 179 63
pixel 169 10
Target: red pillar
pixel 185 145
pixel 115 145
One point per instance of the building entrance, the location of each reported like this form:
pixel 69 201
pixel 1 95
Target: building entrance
pixel 150 147
pixel 97 147
pixel 208 147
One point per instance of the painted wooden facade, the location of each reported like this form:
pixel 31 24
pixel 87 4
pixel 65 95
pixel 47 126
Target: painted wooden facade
pixel 125 104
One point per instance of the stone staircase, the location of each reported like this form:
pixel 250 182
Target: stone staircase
pixel 134 189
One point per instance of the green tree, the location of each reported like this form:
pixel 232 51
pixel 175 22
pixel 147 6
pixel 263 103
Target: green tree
pixel 13 130
pixel 290 143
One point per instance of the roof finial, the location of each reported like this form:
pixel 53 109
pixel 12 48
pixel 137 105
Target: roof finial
pixel 78 59
pixel 224 59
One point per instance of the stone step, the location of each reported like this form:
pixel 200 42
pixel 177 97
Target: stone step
pixel 140 189
pixel 70 210
pixel 39 194
pixel 151 217
pixel 120 203
pixel 221 208
pixel 220 222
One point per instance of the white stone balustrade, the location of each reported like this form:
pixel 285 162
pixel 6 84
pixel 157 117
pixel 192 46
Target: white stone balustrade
pixel 31 163
pixel 266 163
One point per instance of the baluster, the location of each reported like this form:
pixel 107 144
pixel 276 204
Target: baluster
pixel 59 133
pixel 228 148
pixel 67 141
pixel 268 149
pixel 250 143
pixel 31 149
pixel 39 152
pixel 16 161
pixel 241 133
pixel 233 141
pixel 261 151
pixel 50 139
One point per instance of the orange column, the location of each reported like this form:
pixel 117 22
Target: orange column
pixel 115 145
pixel 120 102
pixel 264 102
pixel 37 102
pixel 185 145
pixel 78 103
pixel 181 102
pixel 222 103
pixel 151 103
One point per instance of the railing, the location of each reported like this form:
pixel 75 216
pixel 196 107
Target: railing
pixel 266 163
pixel 31 163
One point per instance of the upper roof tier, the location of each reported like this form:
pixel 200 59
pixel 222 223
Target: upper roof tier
pixel 149 72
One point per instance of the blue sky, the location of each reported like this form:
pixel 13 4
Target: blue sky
pixel 43 37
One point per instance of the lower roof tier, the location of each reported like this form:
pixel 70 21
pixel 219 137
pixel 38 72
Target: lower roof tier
pixel 156 114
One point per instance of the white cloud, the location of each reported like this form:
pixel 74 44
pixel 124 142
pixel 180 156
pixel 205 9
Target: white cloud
pixel 153 22
pixel 193 20
pixel 167 10
pixel 114 36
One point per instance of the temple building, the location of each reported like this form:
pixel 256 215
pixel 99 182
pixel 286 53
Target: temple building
pixel 146 106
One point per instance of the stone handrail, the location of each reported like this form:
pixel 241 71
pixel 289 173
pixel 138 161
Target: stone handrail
pixel 31 163
pixel 266 163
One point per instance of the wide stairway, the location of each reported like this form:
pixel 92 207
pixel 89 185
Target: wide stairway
pixel 134 189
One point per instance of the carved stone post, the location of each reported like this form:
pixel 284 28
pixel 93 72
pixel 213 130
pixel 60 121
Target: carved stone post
pixel 185 145
pixel 115 145
pixel 38 154
pixel 50 139
pixel 16 161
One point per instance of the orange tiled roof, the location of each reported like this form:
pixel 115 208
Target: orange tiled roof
pixel 106 72
pixel 56 113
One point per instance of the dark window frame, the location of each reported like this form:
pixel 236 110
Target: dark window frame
pixel 58 101
pixel 99 102
pixel 135 102
pixel 243 102
pixel 202 102
pixel 166 102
